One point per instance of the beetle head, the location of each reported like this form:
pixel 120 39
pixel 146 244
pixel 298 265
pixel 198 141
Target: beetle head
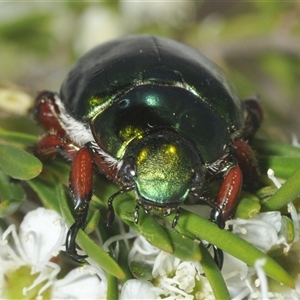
pixel 163 167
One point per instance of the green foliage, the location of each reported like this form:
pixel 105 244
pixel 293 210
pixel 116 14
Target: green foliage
pixel 51 188
pixel 32 32
pixel 256 42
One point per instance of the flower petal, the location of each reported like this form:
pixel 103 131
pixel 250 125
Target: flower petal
pixel 137 289
pixel 80 283
pixel 262 230
pixel 42 234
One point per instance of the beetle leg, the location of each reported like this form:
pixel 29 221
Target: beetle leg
pixel 227 197
pixel 110 209
pixel 71 237
pixel 218 256
pixel 81 181
pixel 47 113
pixel 176 218
pixel 136 214
pixel 253 118
pixel 110 218
pixel 50 145
pixel 248 164
pixel 110 171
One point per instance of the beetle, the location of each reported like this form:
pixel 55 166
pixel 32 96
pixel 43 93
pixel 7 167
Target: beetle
pixel 154 116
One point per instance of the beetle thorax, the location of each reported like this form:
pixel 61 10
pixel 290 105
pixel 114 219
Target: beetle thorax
pixel 165 166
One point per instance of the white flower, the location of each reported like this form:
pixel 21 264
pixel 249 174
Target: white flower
pixel 176 279
pixel 81 283
pixel 262 230
pixel 40 236
pixel 27 264
pixel 295 141
pixel 142 250
pixel 96 26
pixel 172 278
pixel 27 271
pixel 161 12
pixel 14 101
pixel 236 275
pixel 137 289
pixel 179 279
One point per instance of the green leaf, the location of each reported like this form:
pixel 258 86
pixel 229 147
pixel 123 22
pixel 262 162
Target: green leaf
pixel 12 196
pixel 141 270
pixel 183 247
pixel 94 251
pixel 93 221
pixel 275 148
pixel 59 169
pixel 283 166
pixel 147 226
pixel 47 192
pixel 288 192
pixel 247 208
pixel 165 239
pixel 213 274
pixel 18 163
pixel 10 189
pixel 112 287
pixel 32 31
pixel 287 229
pixel 8 207
pixel 18 137
pixel 232 244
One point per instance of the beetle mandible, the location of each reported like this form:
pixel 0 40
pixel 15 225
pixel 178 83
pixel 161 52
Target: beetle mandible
pixel 154 116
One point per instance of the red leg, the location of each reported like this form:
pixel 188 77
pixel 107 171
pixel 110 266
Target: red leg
pixel 248 164
pixel 50 145
pixel 81 183
pixel 110 171
pixel 56 142
pixel 253 119
pixel 227 198
pixel 83 160
pixel 81 177
pixel 47 113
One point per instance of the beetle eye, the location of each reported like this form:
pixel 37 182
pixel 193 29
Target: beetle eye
pixel 197 175
pixel 128 170
pixel 124 103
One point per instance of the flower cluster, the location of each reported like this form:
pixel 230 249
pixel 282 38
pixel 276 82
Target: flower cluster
pixel 174 279
pixel 30 263
pixel 29 268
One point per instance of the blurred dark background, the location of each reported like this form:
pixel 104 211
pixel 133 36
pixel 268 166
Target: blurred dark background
pixel 257 43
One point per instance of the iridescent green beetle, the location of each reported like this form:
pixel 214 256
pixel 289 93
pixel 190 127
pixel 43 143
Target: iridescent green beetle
pixel 154 116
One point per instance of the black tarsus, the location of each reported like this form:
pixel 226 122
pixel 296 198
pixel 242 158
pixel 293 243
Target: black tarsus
pixel 110 209
pixel 72 234
pixel 218 257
